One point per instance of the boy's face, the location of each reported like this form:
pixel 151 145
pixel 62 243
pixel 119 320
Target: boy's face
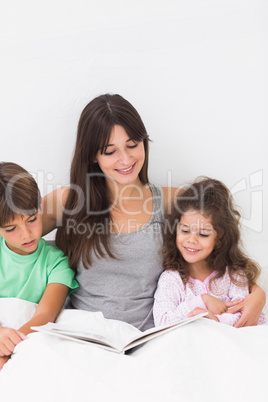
pixel 23 233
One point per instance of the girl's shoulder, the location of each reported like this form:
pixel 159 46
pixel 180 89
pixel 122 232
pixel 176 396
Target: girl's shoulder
pixel 169 276
pixel 237 277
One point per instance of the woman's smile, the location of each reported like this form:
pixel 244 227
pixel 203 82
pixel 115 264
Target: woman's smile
pixel 128 170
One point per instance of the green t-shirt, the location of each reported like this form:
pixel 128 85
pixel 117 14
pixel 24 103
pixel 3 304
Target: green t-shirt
pixel 26 276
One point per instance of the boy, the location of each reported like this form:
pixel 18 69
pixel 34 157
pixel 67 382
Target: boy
pixel 29 268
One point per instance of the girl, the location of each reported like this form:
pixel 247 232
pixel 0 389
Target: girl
pixel 110 219
pixel 205 265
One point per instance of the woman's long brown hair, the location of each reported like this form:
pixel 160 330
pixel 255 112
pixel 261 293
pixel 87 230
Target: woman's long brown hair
pixel 213 199
pixel 87 217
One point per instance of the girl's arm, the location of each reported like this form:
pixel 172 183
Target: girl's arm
pixel 216 306
pixel 48 308
pixel 237 291
pixel 250 308
pixel 199 310
pixel 53 206
pixel 218 310
pixel 170 306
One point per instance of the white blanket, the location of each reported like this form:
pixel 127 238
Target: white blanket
pixel 202 361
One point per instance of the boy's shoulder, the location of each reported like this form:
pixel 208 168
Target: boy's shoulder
pixel 49 243
pixel 50 250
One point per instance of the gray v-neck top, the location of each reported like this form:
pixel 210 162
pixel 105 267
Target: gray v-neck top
pixel 123 288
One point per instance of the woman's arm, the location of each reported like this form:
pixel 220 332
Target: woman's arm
pixel 3 360
pixel 48 308
pixel 169 195
pixel 250 308
pixel 53 206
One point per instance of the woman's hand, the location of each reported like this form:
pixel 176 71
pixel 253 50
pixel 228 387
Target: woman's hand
pixel 216 306
pixel 9 338
pixel 3 361
pixel 199 310
pixel 250 308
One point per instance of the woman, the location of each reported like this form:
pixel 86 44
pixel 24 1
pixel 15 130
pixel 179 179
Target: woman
pixel 110 219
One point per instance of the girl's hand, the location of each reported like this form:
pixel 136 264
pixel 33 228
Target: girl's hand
pixel 216 306
pixel 9 338
pixel 250 308
pixel 199 310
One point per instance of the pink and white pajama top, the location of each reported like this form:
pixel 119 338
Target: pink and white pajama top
pixel 174 301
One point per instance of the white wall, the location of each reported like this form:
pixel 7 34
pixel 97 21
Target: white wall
pixel 196 71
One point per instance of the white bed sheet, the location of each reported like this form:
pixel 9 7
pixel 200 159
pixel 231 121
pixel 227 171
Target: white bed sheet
pixel 202 361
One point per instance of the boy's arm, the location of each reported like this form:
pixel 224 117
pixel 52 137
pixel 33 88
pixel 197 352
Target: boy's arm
pixel 48 308
pixel 9 338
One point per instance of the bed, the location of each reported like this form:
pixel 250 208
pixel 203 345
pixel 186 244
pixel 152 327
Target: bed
pixel 201 361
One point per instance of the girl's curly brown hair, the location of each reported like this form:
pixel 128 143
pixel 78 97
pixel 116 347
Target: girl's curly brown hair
pixel 213 199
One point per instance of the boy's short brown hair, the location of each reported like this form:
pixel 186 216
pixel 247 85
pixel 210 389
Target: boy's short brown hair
pixel 19 193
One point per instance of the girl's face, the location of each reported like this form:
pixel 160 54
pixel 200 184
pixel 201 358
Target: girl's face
pixel 123 158
pixel 196 237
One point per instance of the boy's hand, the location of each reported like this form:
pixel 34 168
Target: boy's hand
pixel 216 306
pixel 9 338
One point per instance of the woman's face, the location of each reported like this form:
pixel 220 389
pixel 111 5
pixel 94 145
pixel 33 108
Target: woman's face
pixel 123 158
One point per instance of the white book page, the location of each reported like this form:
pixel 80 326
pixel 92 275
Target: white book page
pixel 97 329
pixel 77 323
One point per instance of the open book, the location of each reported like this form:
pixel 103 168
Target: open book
pixel 113 335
